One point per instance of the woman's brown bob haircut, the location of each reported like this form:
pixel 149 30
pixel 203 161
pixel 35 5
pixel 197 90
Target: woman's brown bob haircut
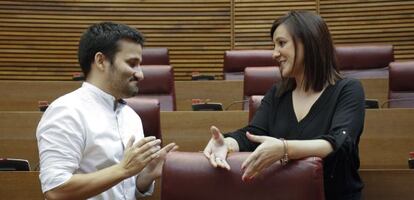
pixel 320 64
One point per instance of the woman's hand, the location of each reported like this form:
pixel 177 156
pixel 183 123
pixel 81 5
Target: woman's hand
pixel 217 149
pixel 268 152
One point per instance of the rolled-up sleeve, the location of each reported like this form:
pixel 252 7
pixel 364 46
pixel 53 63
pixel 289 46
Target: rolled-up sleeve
pixel 60 142
pixel 348 119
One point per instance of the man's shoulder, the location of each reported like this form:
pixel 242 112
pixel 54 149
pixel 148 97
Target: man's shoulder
pixel 73 100
pixel 128 111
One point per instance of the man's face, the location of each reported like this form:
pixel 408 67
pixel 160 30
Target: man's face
pixel 125 72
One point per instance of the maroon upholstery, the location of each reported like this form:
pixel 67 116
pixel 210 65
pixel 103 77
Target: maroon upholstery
pixel 365 61
pixel 401 85
pixel 236 60
pixel 258 80
pixel 149 112
pixel 158 83
pixel 155 56
pixel 190 176
pixel 254 103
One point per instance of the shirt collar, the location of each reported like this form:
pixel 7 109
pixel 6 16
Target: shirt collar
pixel 108 99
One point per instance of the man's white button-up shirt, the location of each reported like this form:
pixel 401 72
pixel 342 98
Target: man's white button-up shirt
pixel 83 132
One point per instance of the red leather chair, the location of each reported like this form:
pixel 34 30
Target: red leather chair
pixel 149 112
pixel 401 85
pixel 236 60
pixel 365 61
pixel 254 103
pixel 155 56
pixel 258 80
pixel 158 83
pixel 190 176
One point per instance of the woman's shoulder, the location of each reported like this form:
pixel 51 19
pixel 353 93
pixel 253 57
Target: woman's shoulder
pixel 349 87
pixel 348 83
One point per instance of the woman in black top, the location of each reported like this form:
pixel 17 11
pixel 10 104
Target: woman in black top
pixel 311 112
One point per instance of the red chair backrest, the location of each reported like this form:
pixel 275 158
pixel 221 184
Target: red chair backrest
pixel 155 56
pixel 235 61
pixel 149 112
pixel 401 85
pixel 190 176
pixel 258 80
pixel 158 83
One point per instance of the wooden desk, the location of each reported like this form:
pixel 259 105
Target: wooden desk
pixel 225 92
pixel 376 89
pixel 387 184
pixel 20 186
pixel 380 184
pixel 24 95
pixel 387 138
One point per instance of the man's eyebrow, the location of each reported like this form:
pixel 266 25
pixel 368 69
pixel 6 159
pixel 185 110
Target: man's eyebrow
pixel 134 59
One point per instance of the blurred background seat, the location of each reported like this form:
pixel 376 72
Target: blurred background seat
pixel 365 61
pixel 155 56
pixel 236 60
pixel 158 84
pixel 258 80
pixel 149 112
pixel 401 85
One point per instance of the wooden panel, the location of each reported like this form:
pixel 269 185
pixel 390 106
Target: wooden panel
pixel 387 139
pixel 379 21
pixel 22 149
pixel 38 39
pixel 24 95
pixel 385 142
pixel 191 130
pixel 19 125
pixel 380 184
pixel 383 184
pixel 20 185
pixel 253 20
pixel 376 89
pixel 229 93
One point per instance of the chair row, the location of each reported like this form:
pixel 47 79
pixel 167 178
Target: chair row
pixel 258 80
pixel 158 80
pixel 357 61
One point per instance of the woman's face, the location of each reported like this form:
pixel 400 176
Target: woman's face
pixel 291 65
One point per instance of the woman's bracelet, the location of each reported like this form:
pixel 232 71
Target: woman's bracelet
pixel 285 159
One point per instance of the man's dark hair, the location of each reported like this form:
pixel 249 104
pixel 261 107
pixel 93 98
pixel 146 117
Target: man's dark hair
pixel 103 37
pixel 320 63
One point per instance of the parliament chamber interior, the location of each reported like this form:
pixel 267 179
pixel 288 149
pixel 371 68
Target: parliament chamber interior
pixel 209 62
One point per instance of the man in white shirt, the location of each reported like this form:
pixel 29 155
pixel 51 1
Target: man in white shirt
pixel 91 144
